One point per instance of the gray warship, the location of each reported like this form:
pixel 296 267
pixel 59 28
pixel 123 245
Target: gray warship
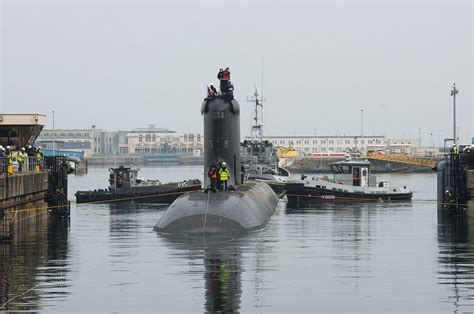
pixel 245 206
pixel 259 156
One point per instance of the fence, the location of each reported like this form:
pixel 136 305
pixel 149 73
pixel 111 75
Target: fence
pixel 31 164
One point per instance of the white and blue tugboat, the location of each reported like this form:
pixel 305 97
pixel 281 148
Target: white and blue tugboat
pixel 351 181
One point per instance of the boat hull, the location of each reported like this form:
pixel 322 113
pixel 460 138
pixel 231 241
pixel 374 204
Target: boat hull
pixel 163 194
pixel 298 193
pixel 249 208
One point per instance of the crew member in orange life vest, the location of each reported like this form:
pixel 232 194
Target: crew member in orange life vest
pixel 212 173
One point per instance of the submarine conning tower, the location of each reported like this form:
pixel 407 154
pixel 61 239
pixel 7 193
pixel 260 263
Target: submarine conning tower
pixel 244 208
pixel 222 135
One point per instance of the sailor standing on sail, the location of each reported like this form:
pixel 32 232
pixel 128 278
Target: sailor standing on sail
pixel 224 78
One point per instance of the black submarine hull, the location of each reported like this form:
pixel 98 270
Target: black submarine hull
pixel 246 209
pixel 163 193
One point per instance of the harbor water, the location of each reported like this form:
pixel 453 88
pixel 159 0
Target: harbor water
pixel 378 257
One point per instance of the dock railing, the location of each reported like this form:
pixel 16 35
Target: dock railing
pixel 31 164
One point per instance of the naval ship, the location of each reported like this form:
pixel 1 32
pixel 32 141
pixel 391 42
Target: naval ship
pixel 244 207
pixel 259 158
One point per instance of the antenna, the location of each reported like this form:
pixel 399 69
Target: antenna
pixel 262 78
pixel 257 127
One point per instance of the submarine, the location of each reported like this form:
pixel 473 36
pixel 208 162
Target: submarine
pixel 245 206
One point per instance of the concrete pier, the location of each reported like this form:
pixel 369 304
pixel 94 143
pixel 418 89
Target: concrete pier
pixel 23 190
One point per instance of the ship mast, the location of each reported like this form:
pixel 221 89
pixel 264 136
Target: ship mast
pixel 256 134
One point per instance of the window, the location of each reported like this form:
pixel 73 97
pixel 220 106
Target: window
pixel 191 137
pixel 331 142
pixel 147 137
pixel 315 142
pixel 154 138
pixel 306 142
pixel 298 142
pixel 185 137
pixel 199 137
pixel 140 138
pixel 323 142
pixel 218 115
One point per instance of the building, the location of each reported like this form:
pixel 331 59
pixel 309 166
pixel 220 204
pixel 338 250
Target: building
pixel 403 146
pixel 18 130
pixel 91 142
pixel 153 141
pixel 74 140
pixel 307 145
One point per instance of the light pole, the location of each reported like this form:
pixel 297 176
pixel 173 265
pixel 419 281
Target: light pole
pixel 454 92
pixel 362 129
pixel 53 136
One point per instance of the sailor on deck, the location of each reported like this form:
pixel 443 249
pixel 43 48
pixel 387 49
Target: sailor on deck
pixel 224 175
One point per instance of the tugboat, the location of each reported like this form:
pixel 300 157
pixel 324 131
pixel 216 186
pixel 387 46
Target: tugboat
pixel 351 181
pixel 124 185
pixel 259 158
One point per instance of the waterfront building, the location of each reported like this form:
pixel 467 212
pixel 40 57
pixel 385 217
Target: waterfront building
pixel 306 145
pixel 403 146
pixel 86 141
pixel 153 141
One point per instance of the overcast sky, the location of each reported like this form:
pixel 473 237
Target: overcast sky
pixel 127 64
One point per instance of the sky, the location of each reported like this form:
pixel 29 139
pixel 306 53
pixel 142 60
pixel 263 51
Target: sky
pixel 127 64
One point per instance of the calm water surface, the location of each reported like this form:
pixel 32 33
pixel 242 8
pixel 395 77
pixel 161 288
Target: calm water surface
pixel 384 257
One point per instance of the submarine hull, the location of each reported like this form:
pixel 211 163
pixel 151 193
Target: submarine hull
pixel 249 208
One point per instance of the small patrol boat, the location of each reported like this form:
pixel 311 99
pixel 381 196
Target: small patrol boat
pixel 124 185
pixel 259 158
pixel 351 181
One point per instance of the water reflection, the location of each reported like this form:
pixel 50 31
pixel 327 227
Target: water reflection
pixel 222 271
pixel 37 258
pixel 456 258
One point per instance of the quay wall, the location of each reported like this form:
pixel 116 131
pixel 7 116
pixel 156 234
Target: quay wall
pixel 20 191
pixel 470 190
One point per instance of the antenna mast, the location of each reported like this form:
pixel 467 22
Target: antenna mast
pixel 257 127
